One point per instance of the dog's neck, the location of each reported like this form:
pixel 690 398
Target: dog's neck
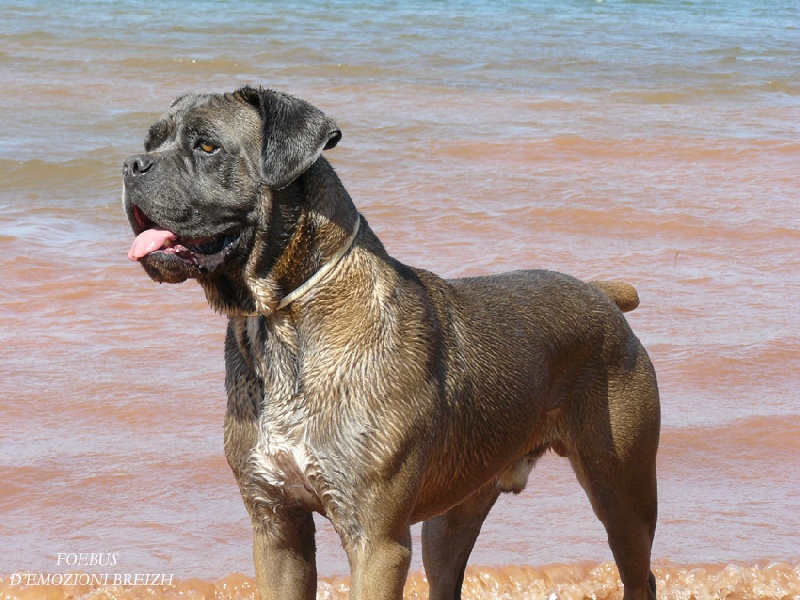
pixel 284 279
pixel 320 274
pixel 311 227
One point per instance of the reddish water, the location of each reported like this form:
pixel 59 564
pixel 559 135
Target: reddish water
pixel 664 155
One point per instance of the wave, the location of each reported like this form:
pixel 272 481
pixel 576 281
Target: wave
pixel 763 581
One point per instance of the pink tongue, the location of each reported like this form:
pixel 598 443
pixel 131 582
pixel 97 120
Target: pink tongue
pixel 149 241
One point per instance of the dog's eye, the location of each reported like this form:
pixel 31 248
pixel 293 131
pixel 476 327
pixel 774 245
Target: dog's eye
pixel 207 147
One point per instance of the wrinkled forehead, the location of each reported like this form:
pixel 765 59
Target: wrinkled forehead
pixel 221 118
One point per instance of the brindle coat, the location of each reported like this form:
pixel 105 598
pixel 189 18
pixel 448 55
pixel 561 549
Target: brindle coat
pixel 384 395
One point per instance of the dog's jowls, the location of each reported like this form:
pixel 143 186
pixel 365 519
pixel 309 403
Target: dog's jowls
pixel 374 393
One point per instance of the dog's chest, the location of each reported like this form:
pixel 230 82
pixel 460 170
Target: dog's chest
pixel 282 469
pixel 282 464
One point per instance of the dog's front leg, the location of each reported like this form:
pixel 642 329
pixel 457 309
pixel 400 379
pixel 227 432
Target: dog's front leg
pixel 379 564
pixel 284 553
pixel 375 526
pixel 283 535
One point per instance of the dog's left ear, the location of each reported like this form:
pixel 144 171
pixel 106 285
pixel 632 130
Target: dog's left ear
pixel 294 134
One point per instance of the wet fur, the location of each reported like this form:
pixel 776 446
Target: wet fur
pixel 387 395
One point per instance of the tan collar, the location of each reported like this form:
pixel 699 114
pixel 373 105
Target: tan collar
pixel 318 276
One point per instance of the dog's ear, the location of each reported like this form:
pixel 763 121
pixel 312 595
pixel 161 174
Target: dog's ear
pixel 294 134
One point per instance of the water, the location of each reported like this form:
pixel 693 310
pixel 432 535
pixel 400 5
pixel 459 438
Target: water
pixel 656 142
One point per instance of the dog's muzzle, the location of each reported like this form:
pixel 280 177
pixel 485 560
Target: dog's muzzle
pixel 205 254
pixel 165 254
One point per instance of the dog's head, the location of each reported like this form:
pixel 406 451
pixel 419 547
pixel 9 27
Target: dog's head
pixel 198 195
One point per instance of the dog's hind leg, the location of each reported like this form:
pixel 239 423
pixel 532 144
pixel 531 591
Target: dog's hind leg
pixel 614 457
pixel 448 539
pixel 626 504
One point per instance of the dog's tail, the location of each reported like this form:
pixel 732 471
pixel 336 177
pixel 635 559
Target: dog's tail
pixel 623 294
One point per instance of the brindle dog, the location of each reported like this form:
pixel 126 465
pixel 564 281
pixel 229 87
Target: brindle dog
pixel 374 393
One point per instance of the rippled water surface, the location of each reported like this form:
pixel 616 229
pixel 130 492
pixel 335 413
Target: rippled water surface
pixel 651 141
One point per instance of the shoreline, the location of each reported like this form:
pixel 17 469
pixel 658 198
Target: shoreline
pixel 764 580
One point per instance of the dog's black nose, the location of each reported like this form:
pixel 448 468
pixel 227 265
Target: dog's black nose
pixel 137 165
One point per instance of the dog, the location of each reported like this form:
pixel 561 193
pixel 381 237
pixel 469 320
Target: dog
pixel 377 394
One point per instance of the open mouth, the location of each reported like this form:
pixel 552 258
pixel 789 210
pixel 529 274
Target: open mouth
pixel 206 253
